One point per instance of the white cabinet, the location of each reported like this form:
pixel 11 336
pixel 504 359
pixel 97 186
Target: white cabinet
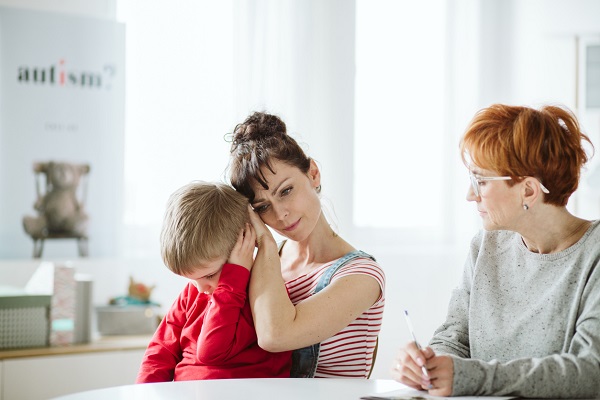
pixel 43 376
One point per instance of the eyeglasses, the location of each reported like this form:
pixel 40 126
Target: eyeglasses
pixel 476 180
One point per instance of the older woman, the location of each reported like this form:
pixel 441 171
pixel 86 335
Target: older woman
pixel 525 319
pixel 316 293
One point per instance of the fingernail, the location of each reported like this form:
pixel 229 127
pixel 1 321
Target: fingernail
pixel 419 362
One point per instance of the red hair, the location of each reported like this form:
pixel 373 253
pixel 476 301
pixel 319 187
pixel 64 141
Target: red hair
pixel 521 141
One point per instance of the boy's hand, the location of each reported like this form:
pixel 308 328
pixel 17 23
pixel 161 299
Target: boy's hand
pixel 243 251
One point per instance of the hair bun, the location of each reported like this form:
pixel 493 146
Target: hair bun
pixel 259 126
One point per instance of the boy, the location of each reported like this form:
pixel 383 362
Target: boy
pixel 208 332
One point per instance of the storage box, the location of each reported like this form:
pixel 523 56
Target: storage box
pixel 127 320
pixel 57 281
pixel 24 319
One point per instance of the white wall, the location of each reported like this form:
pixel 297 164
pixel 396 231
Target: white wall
pixel 418 280
pixel 532 58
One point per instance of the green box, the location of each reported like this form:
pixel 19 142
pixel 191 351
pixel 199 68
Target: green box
pixel 24 319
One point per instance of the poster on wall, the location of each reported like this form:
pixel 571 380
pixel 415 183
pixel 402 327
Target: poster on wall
pixel 62 99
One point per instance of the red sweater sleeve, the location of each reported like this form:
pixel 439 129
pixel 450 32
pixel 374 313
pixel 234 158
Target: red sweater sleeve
pixel 225 332
pixel 211 337
pixel 164 351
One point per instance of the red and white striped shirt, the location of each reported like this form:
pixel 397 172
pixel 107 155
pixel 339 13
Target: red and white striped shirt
pixel 349 353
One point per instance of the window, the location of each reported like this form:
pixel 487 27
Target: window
pixel 179 105
pixel 399 114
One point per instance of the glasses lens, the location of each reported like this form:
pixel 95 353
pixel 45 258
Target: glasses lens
pixel 474 184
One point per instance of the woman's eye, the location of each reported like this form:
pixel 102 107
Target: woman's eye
pixel 261 209
pixel 286 191
pixel 480 182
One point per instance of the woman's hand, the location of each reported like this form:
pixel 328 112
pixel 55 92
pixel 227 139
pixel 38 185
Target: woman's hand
pixel 407 370
pixel 407 366
pixel 263 233
pixel 441 374
pixel 243 251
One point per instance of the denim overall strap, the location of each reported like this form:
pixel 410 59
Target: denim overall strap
pixel 326 277
pixel 304 360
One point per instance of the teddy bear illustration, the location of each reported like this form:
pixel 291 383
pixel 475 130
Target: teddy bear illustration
pixel 60 213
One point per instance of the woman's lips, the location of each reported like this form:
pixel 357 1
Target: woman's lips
pixel 291 227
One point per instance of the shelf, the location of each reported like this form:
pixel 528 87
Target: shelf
pixel 101 344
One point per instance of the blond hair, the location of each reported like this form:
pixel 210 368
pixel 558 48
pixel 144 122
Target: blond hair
pixel 202 222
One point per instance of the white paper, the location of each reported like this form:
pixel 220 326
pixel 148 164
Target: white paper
pixel 411 394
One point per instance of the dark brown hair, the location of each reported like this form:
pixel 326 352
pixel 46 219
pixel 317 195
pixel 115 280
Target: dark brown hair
pixel 256 142
pixel 522 141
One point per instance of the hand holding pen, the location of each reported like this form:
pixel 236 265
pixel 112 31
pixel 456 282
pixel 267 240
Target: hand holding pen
pixel 412 332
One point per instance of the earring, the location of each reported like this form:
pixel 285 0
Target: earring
pixel 525 207
pixel 318 189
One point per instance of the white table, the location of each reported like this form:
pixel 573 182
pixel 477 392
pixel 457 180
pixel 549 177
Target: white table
pixel 244 389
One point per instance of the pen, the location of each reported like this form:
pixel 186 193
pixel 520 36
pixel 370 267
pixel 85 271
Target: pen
pixel 412 332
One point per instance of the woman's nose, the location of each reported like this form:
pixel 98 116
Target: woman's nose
pixel 281 212
pixel 471 196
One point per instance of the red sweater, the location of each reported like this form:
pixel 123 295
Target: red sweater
pixel 211 337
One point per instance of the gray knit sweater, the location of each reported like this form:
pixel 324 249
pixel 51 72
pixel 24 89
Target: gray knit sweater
pixel 525 324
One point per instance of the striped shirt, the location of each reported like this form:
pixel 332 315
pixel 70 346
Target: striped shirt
pixel 349 353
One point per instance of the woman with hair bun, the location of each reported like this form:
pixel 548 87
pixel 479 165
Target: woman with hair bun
pixel 525 318
pixel 315 293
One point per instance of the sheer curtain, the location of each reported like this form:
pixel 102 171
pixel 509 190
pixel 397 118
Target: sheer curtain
pixel 399 113
pixel 179 106
pixel 296 59
pixel 417 87
pixel 366 87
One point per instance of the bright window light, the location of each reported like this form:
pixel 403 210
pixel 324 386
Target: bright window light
pixel 399 113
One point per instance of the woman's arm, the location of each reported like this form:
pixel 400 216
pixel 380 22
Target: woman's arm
pixel 281 326
pixel 571 374
pixel 554 376
pixel 452 337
